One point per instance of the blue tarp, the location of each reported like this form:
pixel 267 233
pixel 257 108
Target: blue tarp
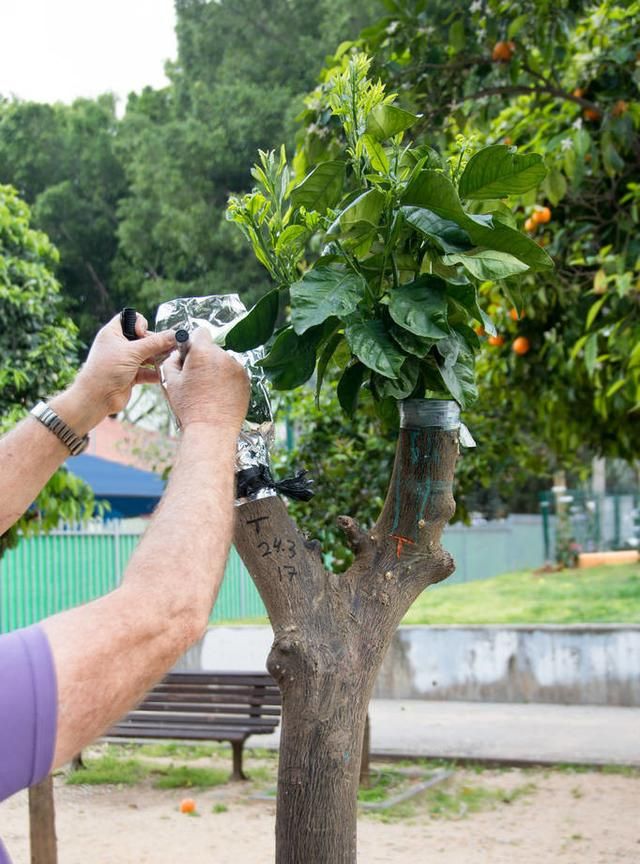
pixel 129 491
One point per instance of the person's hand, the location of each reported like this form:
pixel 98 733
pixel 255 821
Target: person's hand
pixel 210 387
pixel 115 364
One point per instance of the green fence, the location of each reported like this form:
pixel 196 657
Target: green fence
pixel 47 574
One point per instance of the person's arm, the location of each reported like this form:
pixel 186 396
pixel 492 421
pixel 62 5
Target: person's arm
pixel 108 653
pixel 30 453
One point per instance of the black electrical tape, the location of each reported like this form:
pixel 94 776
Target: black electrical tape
pixel 250 481
pixel 128 323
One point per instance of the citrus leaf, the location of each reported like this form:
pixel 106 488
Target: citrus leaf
pixel 323 292
pixel 321 188
pixel 434 191
pixel 467 297
pixel 291 238
pixel 457 369
pixel 385 121
pixel 292 359
pixel 488 263
pixel 496 171
pixel 448 235
pixel 593 311
pixel 257 325
pixel 371 344
pixel 349 387
pixel 327 353
pixel 377 156
pixel 421 307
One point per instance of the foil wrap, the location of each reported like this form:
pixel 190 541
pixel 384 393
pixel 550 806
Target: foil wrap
pixel 440 413
pixel 217 314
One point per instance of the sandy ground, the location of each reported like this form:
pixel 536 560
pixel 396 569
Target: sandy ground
pixel 589 818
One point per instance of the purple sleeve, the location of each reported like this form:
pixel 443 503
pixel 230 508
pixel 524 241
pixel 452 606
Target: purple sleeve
pixel 28 709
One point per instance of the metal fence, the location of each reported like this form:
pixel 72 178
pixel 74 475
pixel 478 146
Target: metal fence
pixel 47 574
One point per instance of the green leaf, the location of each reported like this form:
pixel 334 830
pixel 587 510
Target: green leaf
pixel 634 359
pixel 617 385
pixel 448 235
pixel 400 387
pixel 411 344
pixel 349 387
pixel 377 156
pixel 327 353
pixel 292 238
pixel 458 370
pixel 591 353
pixel 433 190
pixel 516 26
pixel 371 344
pixel 257 325
pixel 555 186
pixel 385 121
pixel 467 297
pixel 456 35
pixel 593 311
pixel 291 360
pixel 495 172
pixel 367 208
pixel 321 188
pixel 488 263
pixel 323 292
pixel 421 307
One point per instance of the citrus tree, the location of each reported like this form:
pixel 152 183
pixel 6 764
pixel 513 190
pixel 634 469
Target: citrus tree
pixel 560 79
pixel 376 247
pixel 39 349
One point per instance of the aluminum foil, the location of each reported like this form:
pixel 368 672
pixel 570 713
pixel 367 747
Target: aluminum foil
pixel 218 313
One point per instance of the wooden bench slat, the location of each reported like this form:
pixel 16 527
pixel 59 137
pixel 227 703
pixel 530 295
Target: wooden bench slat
pixel 208 708
pixel 253 678
pixel 179 732
pixel 229 695
pixel 202 719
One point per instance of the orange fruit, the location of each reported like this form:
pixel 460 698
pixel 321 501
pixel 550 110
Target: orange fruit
pixel 187 805
pixel 496 340
pixel 508 141
pixel 513 314
pixel 620 108
pixel 479 330
pixel 578 92
pixel 530 225
pixel 503 52
pixel 541 216
pixel 521 345
pixel 591 114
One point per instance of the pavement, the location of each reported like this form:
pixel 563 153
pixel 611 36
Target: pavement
pixel 502 733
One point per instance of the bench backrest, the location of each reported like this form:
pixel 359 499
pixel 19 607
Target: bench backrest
pixel 226 699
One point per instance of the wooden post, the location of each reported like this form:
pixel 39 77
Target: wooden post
pixel 42 823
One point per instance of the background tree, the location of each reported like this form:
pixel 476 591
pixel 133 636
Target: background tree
pixel 62 160
pixel 39 349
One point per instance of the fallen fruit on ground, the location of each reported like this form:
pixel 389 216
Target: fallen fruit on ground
pixel 187 805
pixel 521 345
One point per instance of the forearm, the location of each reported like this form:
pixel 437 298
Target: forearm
pixel 30 453
pixel 109 653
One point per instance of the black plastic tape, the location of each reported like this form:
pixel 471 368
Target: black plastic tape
pixel 250 481
pixel 128 323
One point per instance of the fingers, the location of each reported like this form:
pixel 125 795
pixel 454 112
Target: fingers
pixel 154 344
pixel 142 325
pixel 145 375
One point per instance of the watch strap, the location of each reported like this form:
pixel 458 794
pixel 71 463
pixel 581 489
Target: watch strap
pixel 48 417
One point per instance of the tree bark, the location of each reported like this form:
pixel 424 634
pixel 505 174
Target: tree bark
pixel 331 631
pixel 42 823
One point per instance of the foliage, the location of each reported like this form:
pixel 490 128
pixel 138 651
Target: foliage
pixel 38 344
pixel 570 91
pixel 404 239
pixel 63 162
pixel 597 595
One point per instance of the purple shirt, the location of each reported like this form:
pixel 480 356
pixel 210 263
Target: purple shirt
pixel 28 711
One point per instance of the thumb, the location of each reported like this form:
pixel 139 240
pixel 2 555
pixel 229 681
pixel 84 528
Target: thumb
pixel 154 344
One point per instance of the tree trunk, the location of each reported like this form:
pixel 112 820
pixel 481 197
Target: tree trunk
pixel 42 823
pixel 331 631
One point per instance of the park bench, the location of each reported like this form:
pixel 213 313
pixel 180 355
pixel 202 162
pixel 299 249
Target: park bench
pixel 206 706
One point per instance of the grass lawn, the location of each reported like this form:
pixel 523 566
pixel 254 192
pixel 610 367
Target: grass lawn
pixel 600 594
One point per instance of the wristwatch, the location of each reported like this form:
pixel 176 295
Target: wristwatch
pixel 48 417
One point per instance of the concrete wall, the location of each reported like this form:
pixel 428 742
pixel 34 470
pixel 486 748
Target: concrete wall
pixel 579 664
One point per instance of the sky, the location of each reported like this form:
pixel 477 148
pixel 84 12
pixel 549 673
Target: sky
pixel 59 50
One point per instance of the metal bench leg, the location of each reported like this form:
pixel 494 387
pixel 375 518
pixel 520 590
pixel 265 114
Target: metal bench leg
pixel 238 773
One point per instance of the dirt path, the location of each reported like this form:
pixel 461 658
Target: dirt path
pixel 588 818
